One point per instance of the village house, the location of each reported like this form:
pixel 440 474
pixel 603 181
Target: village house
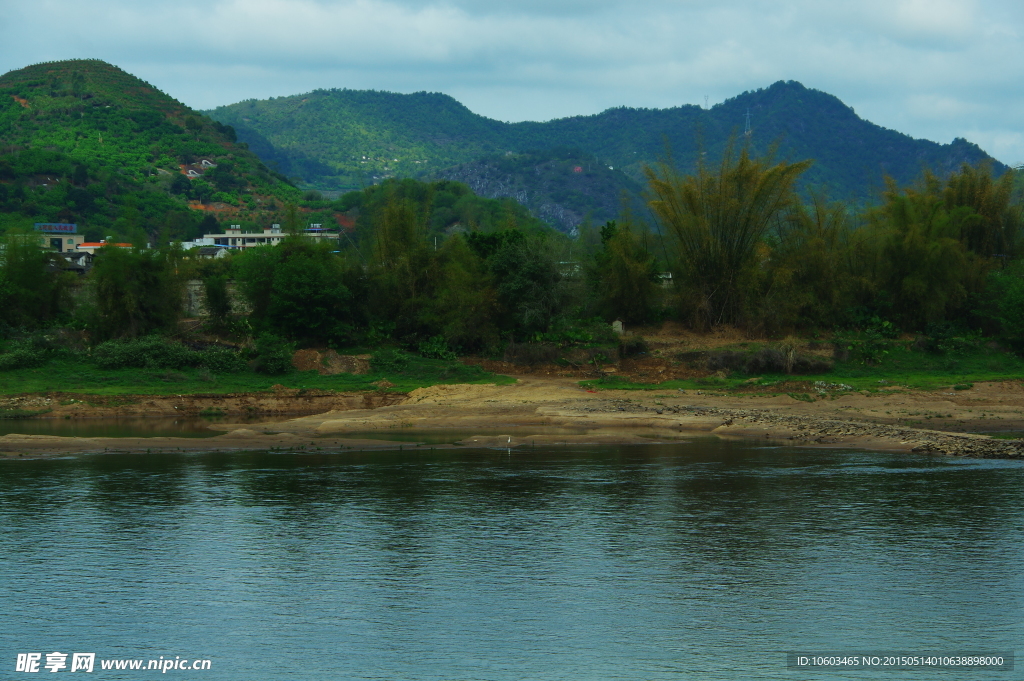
pixel 234 237
pixel 62 237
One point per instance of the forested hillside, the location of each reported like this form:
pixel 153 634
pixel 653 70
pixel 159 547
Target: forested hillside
pixel 351 138
pixel 563 187
pixel 346 138
pixel 82 141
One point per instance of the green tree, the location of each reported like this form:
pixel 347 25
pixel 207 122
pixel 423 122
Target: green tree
pixel 462 306
pixel 806 277
pixel 136 292
pixel 297 290
pixel 995 227
pixel 717 218
pixel 920 260
pixel 34 288
pixel 623 275
pixel 527 285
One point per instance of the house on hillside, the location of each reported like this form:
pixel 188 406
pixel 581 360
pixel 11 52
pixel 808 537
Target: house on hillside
pixel 91 247
pixel 62 237
pixel 234 237
pixel 79 263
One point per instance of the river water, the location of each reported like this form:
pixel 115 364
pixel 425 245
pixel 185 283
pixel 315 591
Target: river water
pixel 698 560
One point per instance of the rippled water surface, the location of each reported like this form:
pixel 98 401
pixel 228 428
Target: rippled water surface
pixel 698 560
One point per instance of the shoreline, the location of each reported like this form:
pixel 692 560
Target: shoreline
pixel 558 411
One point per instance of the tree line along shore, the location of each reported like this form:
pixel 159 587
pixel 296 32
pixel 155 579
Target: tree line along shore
pixel 928 282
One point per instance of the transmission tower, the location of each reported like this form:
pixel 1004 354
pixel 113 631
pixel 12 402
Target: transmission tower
pixel 747 130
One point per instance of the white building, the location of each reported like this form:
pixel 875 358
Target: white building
pixel 233 237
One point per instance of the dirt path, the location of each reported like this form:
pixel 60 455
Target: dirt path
pixel 547 410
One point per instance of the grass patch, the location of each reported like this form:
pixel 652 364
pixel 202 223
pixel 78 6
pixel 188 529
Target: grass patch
pixel 900 367
pixel 80 376
pixel 1008 435
pixel 22 413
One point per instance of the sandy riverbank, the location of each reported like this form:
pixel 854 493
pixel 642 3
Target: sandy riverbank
pixel 554 410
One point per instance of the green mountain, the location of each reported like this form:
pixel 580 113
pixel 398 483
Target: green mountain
pixel 350 138
pixel 83 141
pixel 336 139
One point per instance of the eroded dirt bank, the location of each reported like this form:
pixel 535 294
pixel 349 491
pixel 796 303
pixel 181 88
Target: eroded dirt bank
pixel 284 401
pixel 553 410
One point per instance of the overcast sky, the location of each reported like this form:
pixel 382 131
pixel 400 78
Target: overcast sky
pixel 936 69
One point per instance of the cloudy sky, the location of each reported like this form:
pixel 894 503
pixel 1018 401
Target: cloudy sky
pixel 936 69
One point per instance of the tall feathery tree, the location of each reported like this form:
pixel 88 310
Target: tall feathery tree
pixel 718 217
pixel 807 278
pixel 922 264
pixel 996 228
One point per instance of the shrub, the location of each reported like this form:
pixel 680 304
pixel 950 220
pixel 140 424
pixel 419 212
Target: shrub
pixel 151 352
pixel 389 361
pixel 437 348
pixel 273 355
pixel 22 356
pixel 221 361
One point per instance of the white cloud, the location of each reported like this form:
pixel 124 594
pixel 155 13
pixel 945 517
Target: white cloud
pixel 933 68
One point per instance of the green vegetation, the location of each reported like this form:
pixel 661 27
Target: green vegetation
pixel 890 365
pixel 85 142
pixel 348 139
pixel 718 219
pixel 82 374
pixel 924 289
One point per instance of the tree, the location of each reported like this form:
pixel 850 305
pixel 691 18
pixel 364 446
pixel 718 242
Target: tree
pixel 527 285
pixel 297 290
pixel 807 278
pixel 623 275
pixel 996 225
pixel 461 307
pixel 136 292
pixel 920 260
pixel 34 288
pixel 717 219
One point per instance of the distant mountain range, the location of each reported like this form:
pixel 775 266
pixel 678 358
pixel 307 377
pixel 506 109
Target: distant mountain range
pixel 83 141
pixel 338 139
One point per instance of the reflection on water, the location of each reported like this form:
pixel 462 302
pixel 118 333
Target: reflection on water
pixel 701 560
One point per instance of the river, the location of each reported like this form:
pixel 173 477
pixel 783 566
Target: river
pixel 703 560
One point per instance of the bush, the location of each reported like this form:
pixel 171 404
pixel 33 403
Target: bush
pixel 273 355
pixel 150 352
pixel 946 338
pixel 437 348
pixel 221 361
pixel 22 356
pixel 389 361
pixel 394 363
